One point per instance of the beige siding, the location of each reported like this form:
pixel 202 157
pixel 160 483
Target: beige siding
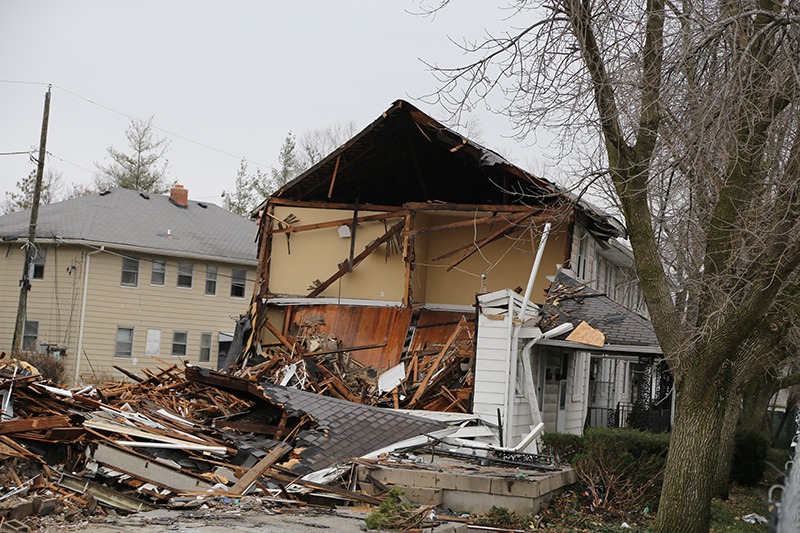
pixel 109 304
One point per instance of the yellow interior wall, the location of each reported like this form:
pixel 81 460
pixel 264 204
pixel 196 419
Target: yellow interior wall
pixel 505 262
pixel 316 254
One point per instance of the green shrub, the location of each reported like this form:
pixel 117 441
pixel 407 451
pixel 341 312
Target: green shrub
pixel 394 513
pixel 749 457
pixel 562 446
pixel 622 468
pixel 502 517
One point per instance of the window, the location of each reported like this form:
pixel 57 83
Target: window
pixel 30 334
pixel 580 257
pixel 179 340
pixel 159 273
pixel 37 265
pixel 205 347
pixel 130 272
pixel 124 346
pixel 211 280
pixel 238 282
pixel 185 275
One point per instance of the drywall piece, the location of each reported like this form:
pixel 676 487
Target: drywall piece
pixel 152 471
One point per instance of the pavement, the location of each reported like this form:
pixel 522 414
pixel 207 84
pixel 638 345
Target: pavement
pixel 263 520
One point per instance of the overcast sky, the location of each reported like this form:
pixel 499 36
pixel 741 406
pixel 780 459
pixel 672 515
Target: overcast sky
pixel 227 80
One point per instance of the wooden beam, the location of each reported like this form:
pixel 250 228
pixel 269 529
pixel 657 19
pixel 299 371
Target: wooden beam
pixel 333 178
pixel 360 257
pixel 333 205
pixel 425 206
pixel 409 258
pixel 291 345
pixel 340 222
pixel 30 424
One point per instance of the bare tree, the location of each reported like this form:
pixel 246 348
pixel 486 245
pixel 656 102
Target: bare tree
pixel 695 105
pixel 315 144
pixel 144 169
pixel 21 199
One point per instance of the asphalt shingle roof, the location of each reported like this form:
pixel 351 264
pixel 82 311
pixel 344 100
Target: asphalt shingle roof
pixel 126 217
pixel 345 429
pixel 620 325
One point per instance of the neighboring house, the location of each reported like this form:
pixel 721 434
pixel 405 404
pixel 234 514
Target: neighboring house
pixel 404 225
pixel 120 277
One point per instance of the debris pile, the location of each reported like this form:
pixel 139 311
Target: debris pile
pixel 432 376
pixel 178 437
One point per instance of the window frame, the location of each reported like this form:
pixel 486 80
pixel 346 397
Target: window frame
pixel 117 351
pixel 210 279
pixel 162 263
pixel 26 334
pixel 38 264
pixel 234 283
pixel 185 344
pixel 182 265
pixel 205 346
pixel 129 271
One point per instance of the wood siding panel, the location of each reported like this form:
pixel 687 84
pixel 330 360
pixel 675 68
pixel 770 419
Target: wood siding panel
pixel 362 326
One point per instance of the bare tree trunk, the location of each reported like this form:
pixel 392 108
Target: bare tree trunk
pixel 689 477
pixel 755 403
pixel 727 440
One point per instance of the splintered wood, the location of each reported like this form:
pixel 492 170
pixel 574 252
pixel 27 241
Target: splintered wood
pixel 435 371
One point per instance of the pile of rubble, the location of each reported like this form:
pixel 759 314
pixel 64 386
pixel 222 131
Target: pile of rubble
pixel 435 377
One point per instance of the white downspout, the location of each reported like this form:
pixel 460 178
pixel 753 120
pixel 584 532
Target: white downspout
pixel 512 356
pixel 83 313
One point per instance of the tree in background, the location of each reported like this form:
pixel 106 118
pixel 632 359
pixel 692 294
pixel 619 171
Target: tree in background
pixel 694 110
pixel 52 185
pixel 295 157
pixel 144 169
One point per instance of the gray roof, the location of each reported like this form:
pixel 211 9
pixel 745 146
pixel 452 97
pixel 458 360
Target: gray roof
pixel 345 429
pixel 126 218
pixel 569 300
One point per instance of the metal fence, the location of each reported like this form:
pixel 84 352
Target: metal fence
pixel 629 415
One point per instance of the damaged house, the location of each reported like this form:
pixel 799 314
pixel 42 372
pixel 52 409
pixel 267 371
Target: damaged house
pixel 401 259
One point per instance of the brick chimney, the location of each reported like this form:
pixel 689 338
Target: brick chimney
pixel 179 196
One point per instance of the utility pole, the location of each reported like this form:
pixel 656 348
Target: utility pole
pixel 24 283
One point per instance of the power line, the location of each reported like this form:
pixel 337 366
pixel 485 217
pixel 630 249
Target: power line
pixel 168 132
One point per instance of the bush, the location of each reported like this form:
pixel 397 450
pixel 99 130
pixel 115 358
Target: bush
pixel 395 513
pixel 749 457
pixel 562 446
pixel 622 468
pixel 502 517
pixel 47 365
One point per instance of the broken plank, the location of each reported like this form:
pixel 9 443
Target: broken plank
pixel 254 473
pixel 28 424
pixel 429 373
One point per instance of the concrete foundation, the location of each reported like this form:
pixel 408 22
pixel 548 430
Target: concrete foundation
pixel 467 488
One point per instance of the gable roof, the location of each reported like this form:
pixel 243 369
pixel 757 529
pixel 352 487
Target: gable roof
pixel 129 219
pixel 406 156
pixel 569 300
